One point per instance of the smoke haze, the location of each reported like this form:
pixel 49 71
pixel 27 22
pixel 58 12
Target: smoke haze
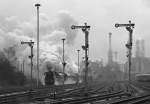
pixel 13 31
pixel 18 22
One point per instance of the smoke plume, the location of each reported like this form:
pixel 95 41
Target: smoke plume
pixel 13 31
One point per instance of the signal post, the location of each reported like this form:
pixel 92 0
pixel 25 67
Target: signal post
pixel 129 27
pixel 85 28
pixel 30 43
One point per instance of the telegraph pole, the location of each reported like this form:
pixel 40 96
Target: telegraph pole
pixel 116 56
pixel 78 64
pixel 23 66
pixel 78 59
pixel 63 63
pixel 37 5
pixel 129 28
pixel 85 47
pixel 110 56
pixel 30 43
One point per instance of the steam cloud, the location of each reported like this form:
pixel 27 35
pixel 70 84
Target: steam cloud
pixel 13 31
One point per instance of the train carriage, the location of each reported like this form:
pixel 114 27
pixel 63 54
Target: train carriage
pixel 143 77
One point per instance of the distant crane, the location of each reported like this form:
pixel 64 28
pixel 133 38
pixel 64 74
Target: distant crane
pixel 110 55
pixel 116 56
pixel 129 28
pixel 30 43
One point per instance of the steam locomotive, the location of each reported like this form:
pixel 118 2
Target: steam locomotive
pixel 49 78
pixel 51 75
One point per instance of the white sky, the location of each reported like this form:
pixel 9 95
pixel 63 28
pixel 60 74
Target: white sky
pixel 101 15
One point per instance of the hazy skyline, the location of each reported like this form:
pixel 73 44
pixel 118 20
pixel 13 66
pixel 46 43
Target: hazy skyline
pixel 101 15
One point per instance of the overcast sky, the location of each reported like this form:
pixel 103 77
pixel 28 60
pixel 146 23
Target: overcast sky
pixel 101 15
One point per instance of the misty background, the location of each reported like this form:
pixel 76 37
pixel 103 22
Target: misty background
pixel 100 14
pixel 18 23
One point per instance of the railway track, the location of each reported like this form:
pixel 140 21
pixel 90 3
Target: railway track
pixel 27 94
pixel 145 86
pixel 101 92
pixel 77 92
pixel 105 93
pixel 93 98
pixel 134 100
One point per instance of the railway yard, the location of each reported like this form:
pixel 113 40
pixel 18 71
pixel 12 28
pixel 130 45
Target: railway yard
pixel 47 61
pixel 117 92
